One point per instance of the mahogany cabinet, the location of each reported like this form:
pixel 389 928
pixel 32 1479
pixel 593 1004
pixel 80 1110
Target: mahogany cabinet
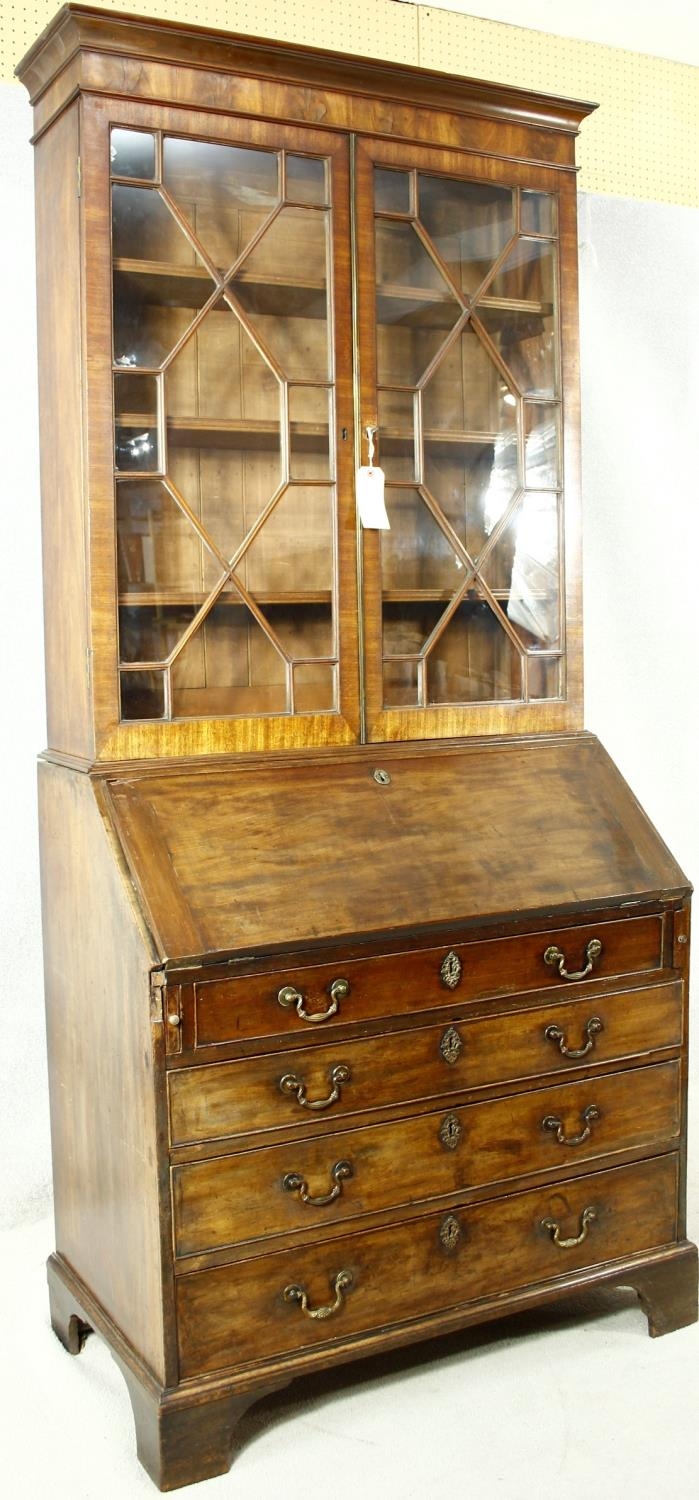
pixel 366 975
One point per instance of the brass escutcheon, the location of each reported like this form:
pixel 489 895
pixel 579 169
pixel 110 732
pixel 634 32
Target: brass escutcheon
pixel 382 777
pixel 450 970
pixel 451 1046
pixel 449 1233
pixel 450 1132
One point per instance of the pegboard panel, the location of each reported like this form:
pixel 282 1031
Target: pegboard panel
pixel 644 140
pixel 642 143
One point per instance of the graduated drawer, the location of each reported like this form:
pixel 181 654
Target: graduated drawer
pixel 256 1194
pixel 263 1093
pixel 227 1010
pixel 234 1314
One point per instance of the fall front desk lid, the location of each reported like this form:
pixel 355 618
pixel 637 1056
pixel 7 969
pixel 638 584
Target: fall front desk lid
pixel 234 858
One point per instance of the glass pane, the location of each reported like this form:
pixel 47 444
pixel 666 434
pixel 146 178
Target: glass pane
pixel 142 695
pixel 415 306
pixel 470 442
pixel 400 684
pixel 474 660
pixel 538 213
pixel 303 628
pixel 158 550
pixel 293 550
pixel 415 553
pixel 523 569
pixel 391 191
pixel 150 632
pixel 282 287
pixel 159 281
pixel 524 335
pixel 397 434
pixel 132 154
pixel 306 180
pixel 541 446
pixel 224 192
pixel 136 426
pixel 228 667
pixel 223 422
pixel 406 626
pixel 468 222
pixel 545 677
pixel 310 454
pixel 314 686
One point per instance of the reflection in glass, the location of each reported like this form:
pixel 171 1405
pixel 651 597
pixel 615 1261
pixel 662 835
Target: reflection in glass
pixel 545 677
pixel 474 660
pixel 132 154
pixel 224 192
pixel 136 423
pixel 523 568
pixel 541 445
pixel 524 335
pixel 142 695
pixel 306 180
pixel 469 223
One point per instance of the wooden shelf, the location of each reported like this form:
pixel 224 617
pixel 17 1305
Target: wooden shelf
pixel 393 441
pixel 178 598
pixel 246 433
pixel 427 307
pixel 172 285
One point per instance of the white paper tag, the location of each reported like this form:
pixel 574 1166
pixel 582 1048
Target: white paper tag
pixel 370 500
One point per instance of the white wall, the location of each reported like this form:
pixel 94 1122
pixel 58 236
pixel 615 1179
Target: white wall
pixel 640 337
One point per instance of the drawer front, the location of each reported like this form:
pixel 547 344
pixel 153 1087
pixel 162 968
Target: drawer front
pixel 228 1010
pixel 329 1082
pixel 255 1194
pixel 240 1313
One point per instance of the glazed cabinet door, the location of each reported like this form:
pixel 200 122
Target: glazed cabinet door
pixel 466 269
pixel 227 486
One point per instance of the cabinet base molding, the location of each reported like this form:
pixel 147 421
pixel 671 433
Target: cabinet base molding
pixel 190 1432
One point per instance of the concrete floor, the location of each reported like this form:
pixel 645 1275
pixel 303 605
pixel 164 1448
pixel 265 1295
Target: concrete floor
pixel 576 1404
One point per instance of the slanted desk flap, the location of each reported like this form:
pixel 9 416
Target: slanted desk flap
pixel 238 858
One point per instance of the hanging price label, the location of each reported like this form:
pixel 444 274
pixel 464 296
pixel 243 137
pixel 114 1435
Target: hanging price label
pixel 370 499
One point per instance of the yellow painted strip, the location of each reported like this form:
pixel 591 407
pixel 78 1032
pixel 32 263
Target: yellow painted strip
pixel 642 143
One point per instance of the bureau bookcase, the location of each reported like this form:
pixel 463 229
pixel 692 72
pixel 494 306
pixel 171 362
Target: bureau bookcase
pixel 366 975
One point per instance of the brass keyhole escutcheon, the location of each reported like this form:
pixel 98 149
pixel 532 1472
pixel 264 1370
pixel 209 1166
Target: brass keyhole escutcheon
pixel 382 777
pixel 450 1132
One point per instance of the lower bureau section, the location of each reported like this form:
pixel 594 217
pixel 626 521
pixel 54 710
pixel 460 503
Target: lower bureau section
pixel 231 1316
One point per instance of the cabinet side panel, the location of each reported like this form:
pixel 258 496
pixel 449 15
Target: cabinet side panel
pixel 104 1067
pixel 60 406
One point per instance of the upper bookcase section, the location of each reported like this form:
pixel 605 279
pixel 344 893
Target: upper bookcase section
pixel 279 265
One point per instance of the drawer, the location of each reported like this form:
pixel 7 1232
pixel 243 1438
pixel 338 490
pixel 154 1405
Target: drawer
pixel 236 1314
pixel 298 999
pixel 315 1183
pixel 245 1097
